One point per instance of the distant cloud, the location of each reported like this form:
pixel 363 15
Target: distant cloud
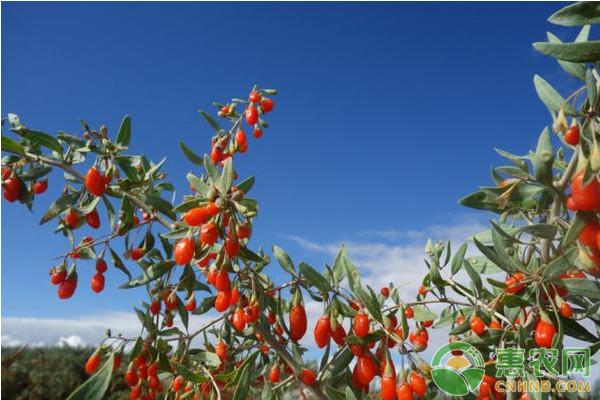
pixel 71 341
pixel 81 331
pixel 394 256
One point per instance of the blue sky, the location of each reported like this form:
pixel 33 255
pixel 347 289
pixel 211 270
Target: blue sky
pixel 388 113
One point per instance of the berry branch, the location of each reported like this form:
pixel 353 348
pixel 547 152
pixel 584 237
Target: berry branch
pixel 545 240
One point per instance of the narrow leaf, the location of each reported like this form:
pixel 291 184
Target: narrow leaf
pixel 559 265
pixel 226 177
pixel 153 272
pixel 284 260
pixel 314 278
pixel 43 139
pixel 193 157
pixel 580 13
pixel 96 385
pixel 458 259
pixel 210 120
pixel 575 52
pixel 124 135
pixel 118 263
pixel 211 170
pixel 576 70
pixel 550 97
pixel 11 145
pixel 59 205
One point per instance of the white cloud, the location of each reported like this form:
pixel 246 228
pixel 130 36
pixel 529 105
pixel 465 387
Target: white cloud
pixel 71 341
pixel 76 332
pixel 73 332
pixel 394 256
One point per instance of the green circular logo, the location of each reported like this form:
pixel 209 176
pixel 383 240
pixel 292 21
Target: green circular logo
pixel 457 368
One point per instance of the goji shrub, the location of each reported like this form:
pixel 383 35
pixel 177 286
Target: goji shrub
pixel 196 255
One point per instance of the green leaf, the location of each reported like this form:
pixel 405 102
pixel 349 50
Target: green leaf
pixel 574 69
pixel 183 313
pixel 580 13
pixel 575 52
pixel 246 184
pixel 372 337
pixel 89 205
pixel 481 201
pixel 110 211
pixel 59 205
pixel 582 287
pixel 550 97
pixel 314 278
pixel 574 329
pixel 243 385
pixel 209 358
pixel 71 140
pixel 325 356
pixel 590 83
pixel 118 263
pixel 187 205
pixel 124 134
pixel 491 255
pixel 491 337
pixel 423 314
pixel 544 231
pixel 145 319
pixel 210 120
pixel 342 361
pixel 349 394
pixel 462 328
pixel 129 165
pixel 370 301
pixel 434 272
pixel 159 204
pixel 544 158
pixel 11 145
pixel 457 260
pixel 96 385
pixel 177 233
pixel 334 394
pixel 198 184
pixel 248 362
pixel 187 374
pixel 227 177
pixel 577 225
pixel 193 157
pixel 153 272
pixel 352 273
pixel 250 255
pixel 211 170
pixel 474 277
pixel 532 394
pixel 338 264
pixel 284 260
pixel 483 266
pixel 86 253
pixel 584 34
pixel 35 173
pixel 205 306
pixel 43 139
pixel 126 216
pixel 514 301
pixel 559 265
